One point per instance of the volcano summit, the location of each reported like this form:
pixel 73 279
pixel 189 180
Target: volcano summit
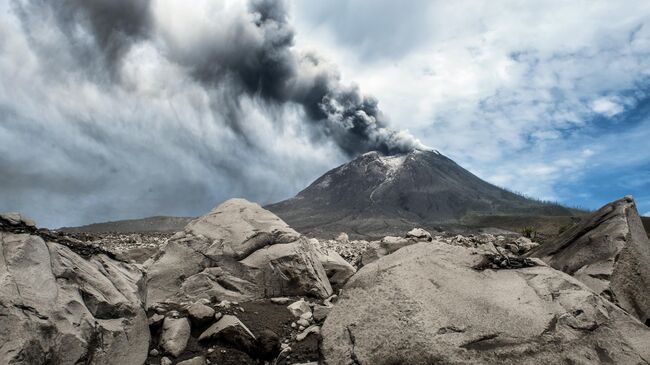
pixel 384 193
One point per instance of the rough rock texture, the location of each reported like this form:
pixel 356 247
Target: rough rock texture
pixel 175 334
pixel 610 252
pixel 230 329
pixel 337 269
pixel 200 313
pixel 58 308
pixel 426 304
pixel 238 251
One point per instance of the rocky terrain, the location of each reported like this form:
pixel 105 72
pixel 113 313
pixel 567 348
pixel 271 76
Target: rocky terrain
pixel 158 224
pixel 240 286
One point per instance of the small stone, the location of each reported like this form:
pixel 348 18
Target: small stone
pixel 165 361
pixel 200 313
pixel 303 322
pixel 280 300
pixel 153 352
pixel 218 315
pixel 301 328
pixel 299 307
pixel 306 315
pixel 224 304
pixel 156 319
pixel 311 329
pixel 293 325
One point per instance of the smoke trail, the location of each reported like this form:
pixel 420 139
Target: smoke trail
pixel 253 54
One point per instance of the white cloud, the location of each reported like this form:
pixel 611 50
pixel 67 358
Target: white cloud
pixel 646 214
pixel 501 88
pixel 607 107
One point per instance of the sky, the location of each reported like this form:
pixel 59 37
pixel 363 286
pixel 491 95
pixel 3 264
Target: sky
pixel 117 109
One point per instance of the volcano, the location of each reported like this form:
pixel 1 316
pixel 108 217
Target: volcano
pixel 377 193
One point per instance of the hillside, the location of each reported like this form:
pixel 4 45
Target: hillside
pixel 375 194
pixel 143 225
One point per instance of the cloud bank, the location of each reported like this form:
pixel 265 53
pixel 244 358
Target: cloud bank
pixel 128 108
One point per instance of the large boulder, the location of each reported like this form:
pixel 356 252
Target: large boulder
pixel 57 307
pixel 429 304
pixel 610 252
pixel 337 269
pixel 238 251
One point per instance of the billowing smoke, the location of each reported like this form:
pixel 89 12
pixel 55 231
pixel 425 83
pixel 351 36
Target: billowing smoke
pixel 253 54
pixel 113 109
pixel 265 64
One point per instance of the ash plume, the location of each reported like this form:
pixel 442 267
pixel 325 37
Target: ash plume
pixel 252 55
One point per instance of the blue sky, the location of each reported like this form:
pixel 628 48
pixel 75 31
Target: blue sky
pixel 550 99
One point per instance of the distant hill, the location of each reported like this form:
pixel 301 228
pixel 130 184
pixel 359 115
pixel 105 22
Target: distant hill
pixel 151 224
pixel 376 194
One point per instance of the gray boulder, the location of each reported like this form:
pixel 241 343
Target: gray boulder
pixel 237 252
pixel 427 304
pixel 174 336
pixel 200 313
pixel 610 252
pixel 57 307
pixel 338 270
pixel 419 234
pixel 231 330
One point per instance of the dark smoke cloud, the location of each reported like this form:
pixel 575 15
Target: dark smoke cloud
pixel 268 66
pixel 113 109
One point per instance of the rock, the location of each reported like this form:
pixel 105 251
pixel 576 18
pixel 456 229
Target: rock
pixel 165 361
pixel 231 330
pixel 153 352
pixel 343 237
pixel 237 252
pixel 174 336
pixel 306 316
pixel 386 246
pixel 338 270
pixel 280 300
pixel 321 312
pixel 240 228
pixel 17 219
pixel 419 234
pixel 427 304
pixel 198 360
pixel 311 329
pixel 610 252
pixel 525 244
pixel 302 322
pixel 55 304
pixel 300 268
pixel 218 315
pixel 156 320
pixel 298 308
pixel 200 313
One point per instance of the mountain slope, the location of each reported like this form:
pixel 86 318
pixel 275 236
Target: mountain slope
pixel 375 194
pixel 150 224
